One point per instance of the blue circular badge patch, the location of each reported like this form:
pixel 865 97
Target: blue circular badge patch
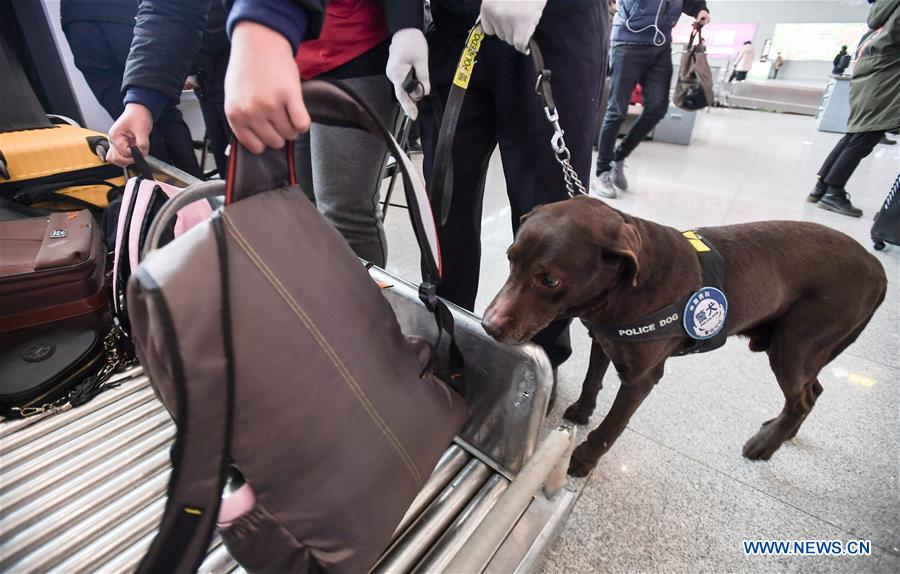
pixel 705 313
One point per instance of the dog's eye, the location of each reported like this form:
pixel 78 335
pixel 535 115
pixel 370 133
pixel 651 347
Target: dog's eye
pixel 549 281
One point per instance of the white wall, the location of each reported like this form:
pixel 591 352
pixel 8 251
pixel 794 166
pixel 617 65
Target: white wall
pixel 767 13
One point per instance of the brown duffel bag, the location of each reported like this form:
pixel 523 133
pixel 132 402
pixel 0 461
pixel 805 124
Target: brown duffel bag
pixel 273 349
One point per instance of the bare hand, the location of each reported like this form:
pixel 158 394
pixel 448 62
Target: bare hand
pixel 263 100
pixel 702 18
pixel 131 129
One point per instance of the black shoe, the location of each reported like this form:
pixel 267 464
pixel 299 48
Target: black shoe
pixel 886 140
pixel 818 191
pixel 838 201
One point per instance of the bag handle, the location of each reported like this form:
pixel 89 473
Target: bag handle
pixel 248 174
pixel 696 32
pixel 336 104
pixel 140 164
pixel 196 192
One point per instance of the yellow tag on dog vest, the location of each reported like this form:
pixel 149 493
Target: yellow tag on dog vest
pixel 695 242
pixel 467 59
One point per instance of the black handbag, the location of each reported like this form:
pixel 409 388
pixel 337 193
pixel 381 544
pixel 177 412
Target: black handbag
pixel 49 370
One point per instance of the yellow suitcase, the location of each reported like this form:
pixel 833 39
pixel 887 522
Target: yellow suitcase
pixel 58 167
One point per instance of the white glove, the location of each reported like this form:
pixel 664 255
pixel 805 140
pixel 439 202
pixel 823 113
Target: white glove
pixel 513 21
pixel 409 51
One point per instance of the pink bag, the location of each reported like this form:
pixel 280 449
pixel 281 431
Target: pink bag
pixel 142 200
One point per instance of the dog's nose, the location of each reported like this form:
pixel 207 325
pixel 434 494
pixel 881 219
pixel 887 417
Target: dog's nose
pixel 493 325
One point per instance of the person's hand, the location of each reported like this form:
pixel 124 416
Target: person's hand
pixel 263 100
pixel 409 51
pixel 513 21
pixel 132 128
pixel 702 18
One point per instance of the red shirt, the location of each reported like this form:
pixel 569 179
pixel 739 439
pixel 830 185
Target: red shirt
pixel 352 28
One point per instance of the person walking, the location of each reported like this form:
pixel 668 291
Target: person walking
pixel 743 62
pixel 841 61
pixel 640 53
pixel 874 107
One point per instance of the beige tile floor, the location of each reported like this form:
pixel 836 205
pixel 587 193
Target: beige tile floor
pixel 674 494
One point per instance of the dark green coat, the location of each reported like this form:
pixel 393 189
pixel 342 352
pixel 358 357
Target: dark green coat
pixel 875 87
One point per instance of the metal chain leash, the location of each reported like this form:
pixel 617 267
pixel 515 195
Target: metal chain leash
pixel 116 361
pixel 557 140
pixel 563 155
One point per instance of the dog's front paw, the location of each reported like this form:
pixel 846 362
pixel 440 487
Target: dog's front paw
pixel 577 414
pixel 582 462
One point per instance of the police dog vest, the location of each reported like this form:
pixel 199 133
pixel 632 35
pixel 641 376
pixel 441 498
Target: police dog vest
pixel 702 316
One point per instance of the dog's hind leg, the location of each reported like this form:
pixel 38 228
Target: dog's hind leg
pixel 581 410
pixel 801 346
pixel 631 394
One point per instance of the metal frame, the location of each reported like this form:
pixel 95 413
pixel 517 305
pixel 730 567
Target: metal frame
pixel 84 490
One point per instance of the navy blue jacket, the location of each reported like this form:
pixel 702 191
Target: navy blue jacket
pixel 650 22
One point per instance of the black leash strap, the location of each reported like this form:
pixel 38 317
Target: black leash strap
pixel 442 176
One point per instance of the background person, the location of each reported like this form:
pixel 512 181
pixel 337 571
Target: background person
pixel 100 33
pixel 777 65
pixel 874 107
pixel 641 52
pixel 743 62
pixel 841 61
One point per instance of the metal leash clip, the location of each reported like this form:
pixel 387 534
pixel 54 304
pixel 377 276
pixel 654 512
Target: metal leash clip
pixel 557 140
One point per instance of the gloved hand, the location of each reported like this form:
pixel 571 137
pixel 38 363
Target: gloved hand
pixel 409 51
pixel 263 99
pixel 132 128
pixel 513 21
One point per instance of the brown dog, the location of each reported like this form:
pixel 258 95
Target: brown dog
pixel 801 292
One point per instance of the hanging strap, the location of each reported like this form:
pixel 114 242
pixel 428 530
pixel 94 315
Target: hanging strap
pixel 204 416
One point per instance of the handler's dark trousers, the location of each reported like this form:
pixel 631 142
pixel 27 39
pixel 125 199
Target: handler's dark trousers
pixel 649 66
pixel 846 155
pixel 100 50
pixel 501 108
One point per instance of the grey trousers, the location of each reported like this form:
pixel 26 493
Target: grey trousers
pixel 339 169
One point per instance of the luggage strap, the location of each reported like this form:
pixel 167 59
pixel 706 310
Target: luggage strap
pixel 191 512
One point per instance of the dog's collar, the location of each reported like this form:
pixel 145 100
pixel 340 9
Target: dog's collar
pixel 702 316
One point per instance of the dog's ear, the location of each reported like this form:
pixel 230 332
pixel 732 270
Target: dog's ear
pixel 525 217
pixel 628 245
